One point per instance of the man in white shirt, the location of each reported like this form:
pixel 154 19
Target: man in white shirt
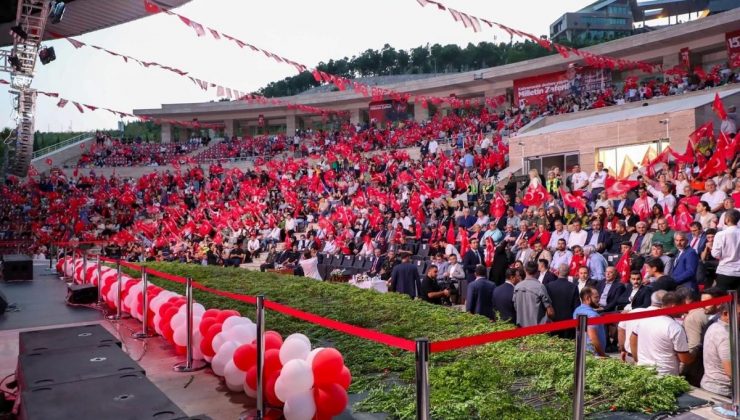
pixel 664 197
pixel 484 145
pixel 561 255
pixel 625 328
pixel 726 249
pixel 579 179
pixel 661 341
pixel 433 145
pixel 577 236
pixel 713 196
pixel 559 233
pixel 717 360
pixel 597 180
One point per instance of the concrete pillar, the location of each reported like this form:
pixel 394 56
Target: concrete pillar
pixel 183 134
pixel 670 61
pixel 421 113
pixel 166 133
pixel 290 124
pixel 354 116
pixel 229 128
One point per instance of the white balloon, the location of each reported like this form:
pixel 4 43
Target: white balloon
pixel 294 348
pixel 198 310
pixel 177 320
pixel 157 319
pixel 218 340
pixel 233 321
pixel 222 357
pixel 300 406
pixel 208 359
pixel 251 393
pixel 180 335
pixel 234 377
pixel 242 333
pixel 295 377
pixel 197 353
pixel 297 336
pixel 312 354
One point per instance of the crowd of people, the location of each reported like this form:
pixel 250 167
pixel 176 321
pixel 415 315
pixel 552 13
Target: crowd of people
pixel 109 151
pixel 528 251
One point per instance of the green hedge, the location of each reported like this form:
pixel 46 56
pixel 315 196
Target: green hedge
pixel 530 377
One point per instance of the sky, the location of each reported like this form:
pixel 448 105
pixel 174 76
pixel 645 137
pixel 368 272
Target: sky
pixel 305 31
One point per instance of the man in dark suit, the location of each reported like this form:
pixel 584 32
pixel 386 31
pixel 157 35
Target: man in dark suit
pixel 636 294
pixel 622 203
pixel 497 274
pixel 598 237
pixel 480 294
pixel 503 296
pixel 524 232
pixel 378 260
pixel 565 300
pixel 697 238
pixel 686 262
pixel 405 277
pixel 472 258
pixel 610 291
pixel 546 276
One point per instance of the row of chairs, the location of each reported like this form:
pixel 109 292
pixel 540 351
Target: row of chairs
pixel 358 264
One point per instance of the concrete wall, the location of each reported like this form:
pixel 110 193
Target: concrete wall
pixel 59 157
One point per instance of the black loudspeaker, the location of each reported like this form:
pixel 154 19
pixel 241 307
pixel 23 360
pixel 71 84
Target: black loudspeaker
pixel 82 294
pixel 48 368
pixel 3 303
pixel 55 339
pixel 122 397
pixel 17 268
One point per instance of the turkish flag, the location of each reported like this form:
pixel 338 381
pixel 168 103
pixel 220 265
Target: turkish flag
pixel 620 187
pixel 718 107
pixel 623 267
pixel 571 200
pixel 463 240
pixel 498 206
pixel 451 233
pixel 642 208
pixel 687 157
pixel 715 166
pixel 535 196
pixel 489 251
pixel 705 130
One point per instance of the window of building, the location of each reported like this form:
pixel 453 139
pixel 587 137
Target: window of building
pixel 620 160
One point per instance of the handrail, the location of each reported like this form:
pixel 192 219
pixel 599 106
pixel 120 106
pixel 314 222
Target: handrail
pixel 76 139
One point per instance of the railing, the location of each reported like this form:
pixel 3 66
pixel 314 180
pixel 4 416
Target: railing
pixel 76 139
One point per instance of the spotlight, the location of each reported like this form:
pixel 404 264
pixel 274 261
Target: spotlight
pixel 56 12
pixel 18 33
pixel 15 62
pixel 47 55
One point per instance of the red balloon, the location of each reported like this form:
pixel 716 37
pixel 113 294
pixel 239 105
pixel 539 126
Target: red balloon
pixel 245 356
pixel 206 347
pixel 273 340
pixel 327 367
pixel 272 362
pixel 206 323
pixel 211 313
pixel 345 378
pixel 212 331
pixel 330 399
pixel 269 391
pixel 181 350
pixel 252 377
pixel 221 317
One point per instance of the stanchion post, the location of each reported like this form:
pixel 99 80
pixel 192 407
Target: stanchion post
pixel 144 309
pixel 732 410
pixel 422 379
pixel 51 257
pixel 84 267
pixel 64 264
pixel 580 367
pixel 189 365
pixel 258 413
pixel 100 281
pixel 117 315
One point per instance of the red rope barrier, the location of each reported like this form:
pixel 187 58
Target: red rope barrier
pixel 492 337
pixel 166 276
pixel 130 265
pixel 617 317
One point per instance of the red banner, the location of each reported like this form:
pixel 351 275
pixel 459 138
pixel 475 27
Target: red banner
pixel 383 111
pixel 733 48
pixel 684 58
pixel 535 90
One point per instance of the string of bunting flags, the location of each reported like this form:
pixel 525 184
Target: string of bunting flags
pixel 81 107
pixel 591 59
pixel 341 83
pixel 221 91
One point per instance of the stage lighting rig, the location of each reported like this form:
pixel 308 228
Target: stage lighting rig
pixel 18 33
pixel 15 62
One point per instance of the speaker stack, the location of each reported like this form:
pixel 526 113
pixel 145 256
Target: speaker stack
pixel 17 267
pixel 82 373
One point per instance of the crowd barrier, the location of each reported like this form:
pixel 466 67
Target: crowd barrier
pixel 422 347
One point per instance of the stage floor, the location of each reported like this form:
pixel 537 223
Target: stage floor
pixel 40 302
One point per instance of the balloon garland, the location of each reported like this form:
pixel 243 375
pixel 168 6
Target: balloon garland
pixel 306 383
